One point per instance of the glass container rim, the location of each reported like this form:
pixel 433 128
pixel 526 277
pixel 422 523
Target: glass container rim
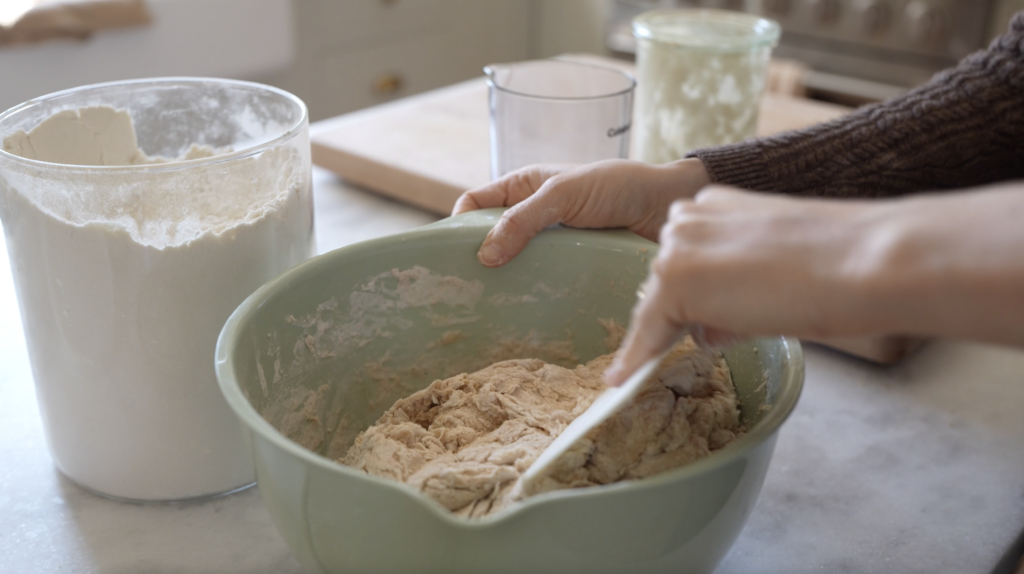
pixel 762 31
pixel 289 134
pixel 631 80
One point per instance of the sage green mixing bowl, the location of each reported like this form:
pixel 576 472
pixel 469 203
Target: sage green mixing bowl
pixel 323 350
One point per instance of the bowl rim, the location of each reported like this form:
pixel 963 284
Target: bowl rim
pixel 491 71
pixel 790 388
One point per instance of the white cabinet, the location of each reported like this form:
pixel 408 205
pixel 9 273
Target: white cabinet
pixel 357 53
pixel 246 39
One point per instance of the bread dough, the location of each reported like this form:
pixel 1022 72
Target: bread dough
pixel 463 441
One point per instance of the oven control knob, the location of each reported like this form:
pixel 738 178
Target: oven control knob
pixel 826 11
pixel 776 7
pixel 928 24
pixel 874 16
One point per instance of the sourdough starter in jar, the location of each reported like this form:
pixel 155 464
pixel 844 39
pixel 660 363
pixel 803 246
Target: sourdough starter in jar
pixel 126 267
pixel 700 74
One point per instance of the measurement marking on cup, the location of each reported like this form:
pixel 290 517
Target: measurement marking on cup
pixel 612 132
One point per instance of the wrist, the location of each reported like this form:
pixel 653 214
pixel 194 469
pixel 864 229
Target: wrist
pixel 857 273
pixel 893 265
pixel 688 176
pixel 662 184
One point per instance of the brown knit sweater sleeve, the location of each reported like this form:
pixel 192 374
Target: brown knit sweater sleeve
pixel 963 128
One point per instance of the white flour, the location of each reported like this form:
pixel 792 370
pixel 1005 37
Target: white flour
pixel 124 288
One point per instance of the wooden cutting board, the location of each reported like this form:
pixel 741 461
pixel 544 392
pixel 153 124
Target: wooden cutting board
pixel 427 149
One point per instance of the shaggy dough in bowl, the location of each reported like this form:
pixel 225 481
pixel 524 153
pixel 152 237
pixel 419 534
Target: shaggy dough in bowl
pixel 464 440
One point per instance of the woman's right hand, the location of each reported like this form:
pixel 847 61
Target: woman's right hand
pixel 606 194
pixel 736 264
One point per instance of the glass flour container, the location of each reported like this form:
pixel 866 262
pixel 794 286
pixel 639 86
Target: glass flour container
pixel 701 75
pixel 137 216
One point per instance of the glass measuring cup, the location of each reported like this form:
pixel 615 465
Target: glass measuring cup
pixel 557 111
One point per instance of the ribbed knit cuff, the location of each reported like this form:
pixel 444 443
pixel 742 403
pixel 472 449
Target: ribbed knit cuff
pixel 741 165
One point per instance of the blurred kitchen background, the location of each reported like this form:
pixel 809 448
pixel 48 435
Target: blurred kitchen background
pixel 340 56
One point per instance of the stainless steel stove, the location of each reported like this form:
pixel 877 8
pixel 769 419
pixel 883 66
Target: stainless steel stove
pixel 867 49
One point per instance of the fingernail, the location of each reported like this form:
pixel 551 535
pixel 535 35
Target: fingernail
pixel 491 255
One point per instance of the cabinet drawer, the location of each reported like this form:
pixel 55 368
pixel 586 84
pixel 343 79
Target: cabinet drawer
pixel 356 80
pixel 355 22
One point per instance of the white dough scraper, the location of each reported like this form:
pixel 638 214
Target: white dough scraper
pixel 603 407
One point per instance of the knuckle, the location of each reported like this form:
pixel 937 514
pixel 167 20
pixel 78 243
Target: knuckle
pixel 667 265
pixel 677 265
pixel 677 232
pixel 523 221
pixel 685 214
pixel 690 229
pixel 665 235
pixel 681 209
pixel 512 221
pixel 520 183
pixel 557 183
pixel 658 266
pixel 711 193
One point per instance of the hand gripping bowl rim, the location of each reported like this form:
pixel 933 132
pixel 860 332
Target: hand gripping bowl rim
pixel 481 221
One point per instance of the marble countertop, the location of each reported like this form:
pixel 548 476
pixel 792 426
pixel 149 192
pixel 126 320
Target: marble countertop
pixel 905 469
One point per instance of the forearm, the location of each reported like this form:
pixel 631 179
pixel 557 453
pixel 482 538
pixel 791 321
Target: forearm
pixel 948 266
pixel 964 128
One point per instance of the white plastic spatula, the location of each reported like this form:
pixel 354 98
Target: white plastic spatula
pixel 604 406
